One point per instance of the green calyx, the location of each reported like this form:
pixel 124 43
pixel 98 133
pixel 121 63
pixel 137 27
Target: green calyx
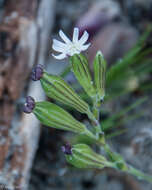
pixel 52 115
pixel 80 68
pixel 99 65
pixel 84 157
pixel 59 90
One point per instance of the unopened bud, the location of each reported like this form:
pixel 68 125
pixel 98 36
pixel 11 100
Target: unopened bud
pixel 52 115
pixel 84 157
pixel 67 149
pixel 81 70
pixel 37 73
pixel 99 75
pixel 29 104
pixel 56 88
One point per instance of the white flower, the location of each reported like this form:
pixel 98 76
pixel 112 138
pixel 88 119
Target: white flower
pixel 69 48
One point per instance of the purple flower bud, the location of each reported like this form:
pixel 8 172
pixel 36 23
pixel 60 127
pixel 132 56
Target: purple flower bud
pixel 67 149
pixel 29 104
pixel 37 73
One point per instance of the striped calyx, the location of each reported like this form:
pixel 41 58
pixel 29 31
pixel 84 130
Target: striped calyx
pixel 80 68
pixel 84 157
pixel 99 65
pixel 57 89
pixel 52 115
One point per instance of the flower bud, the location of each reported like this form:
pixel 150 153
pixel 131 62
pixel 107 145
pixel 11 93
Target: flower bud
pixel 37 73
pixel 81 70
pixel 67 149
pixel 59 90
pixel 52 115
pixel 29 105
pixel 99 75
pixel 84 157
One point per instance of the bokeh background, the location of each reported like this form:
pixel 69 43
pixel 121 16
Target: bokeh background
pixel 30 154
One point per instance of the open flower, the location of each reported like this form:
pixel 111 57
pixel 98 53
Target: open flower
pixel 69 48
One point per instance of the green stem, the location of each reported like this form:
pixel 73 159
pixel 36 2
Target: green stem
pixel 129 169
pixel 98 140
pixel 94 118
pixel 96 113
pixel 140 175
pixel 90 135
pixel 110 165
pixel 110 153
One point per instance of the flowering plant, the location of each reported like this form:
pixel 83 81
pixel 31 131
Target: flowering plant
pixel 69 48
pixel 50 114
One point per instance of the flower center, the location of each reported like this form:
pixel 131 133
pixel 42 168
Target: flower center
pixel 73 49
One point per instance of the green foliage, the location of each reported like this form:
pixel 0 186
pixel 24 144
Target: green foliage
pixel 53 116
pixel 117 119
pixel 123 77
pixel 79 65
pixel 84 157
pixel 99 75
pixel 116 158
pixel 129 73
pixel 119 76
pixel 59 90
pixel 126 75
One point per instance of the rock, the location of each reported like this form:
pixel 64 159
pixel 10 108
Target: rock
pixel 144 3
pixel 99 14
pixel 114 41
pixel 142 148
pixel 139 12
pixel 24 34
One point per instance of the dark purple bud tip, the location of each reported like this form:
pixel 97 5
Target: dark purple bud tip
pixel 29 104
pixel 67 149
pixel 37 73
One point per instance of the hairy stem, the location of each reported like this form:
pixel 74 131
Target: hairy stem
pixel 96 113
pixel 129 169
pixel 140 175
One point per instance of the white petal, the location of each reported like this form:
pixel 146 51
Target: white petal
pixel 64 37
pixel 58 48
pixel 57 43
pixel 75 35
pixel 84 38
pixel 85 47
pixel 60 56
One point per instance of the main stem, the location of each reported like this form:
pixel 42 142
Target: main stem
pixel 129 169
pixel 140 175
pixel 96 113
pixel 113 156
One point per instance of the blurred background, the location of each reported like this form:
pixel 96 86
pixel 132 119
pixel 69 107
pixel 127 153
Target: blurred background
pixel 30 154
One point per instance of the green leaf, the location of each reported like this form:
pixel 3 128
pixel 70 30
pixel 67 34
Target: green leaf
pixel 134 65
pixel 65 72
pixel 121 117
pixel 115 134
pixel 80 68
pixel 116 72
